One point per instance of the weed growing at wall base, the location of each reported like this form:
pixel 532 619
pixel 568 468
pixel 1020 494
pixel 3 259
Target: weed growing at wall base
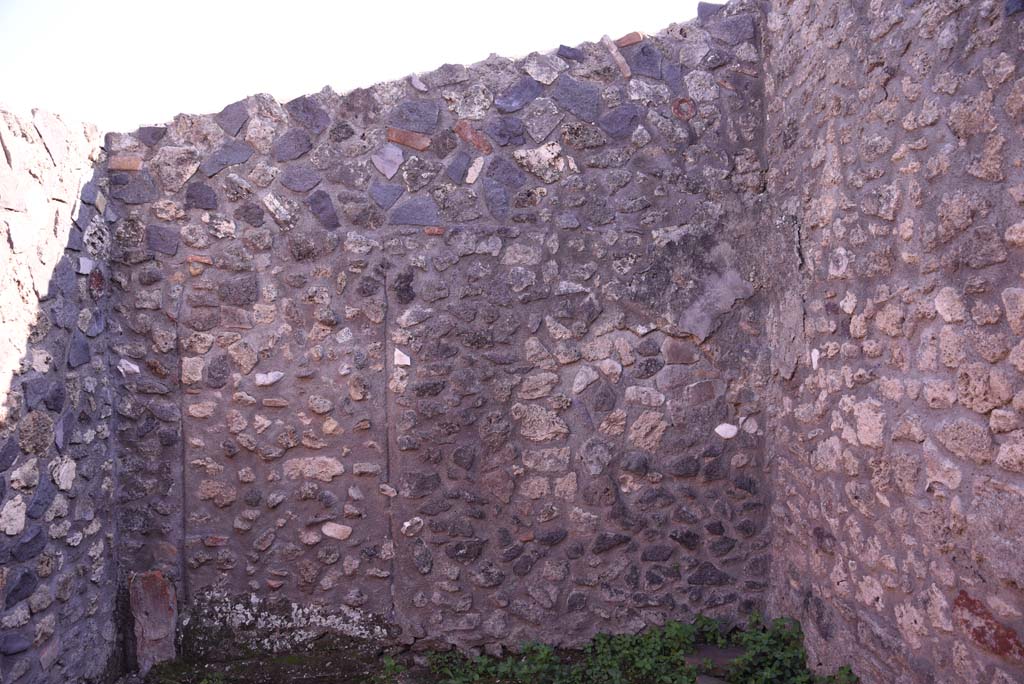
pixel 771 654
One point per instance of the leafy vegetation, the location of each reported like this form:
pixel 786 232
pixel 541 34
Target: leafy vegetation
pixel 772 654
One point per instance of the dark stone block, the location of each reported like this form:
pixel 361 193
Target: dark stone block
pixel 1014 6
pixel 302 246
pixel 232 118
pixel 218 370
pixel 706 10
pixel 566 52
pixel 200 196
pixel 251 213
pixel 707 574
pixel 133 187
pixel 621 121
pixel 644 60
pixel 151 135
pixel 79 352
pixel 506 172
pixel 8 453
pixel 517 96
pixel 714 59
pixel 20 586
pixel 686 538
pixel 163 239
pixel 322 207
pixel 385 194
pixel 420 116
pixel 291 145
pixel 418 211
pixel 241 290
pixel 733 30
pixel 507 130
pixel 231 153
pixel 13 643
pixel 300 178
pixel 606 541
pixel 581 99
pixel 308 114
pixel 552 537
pixel 459 167
pixel 658 553
pixel 30 545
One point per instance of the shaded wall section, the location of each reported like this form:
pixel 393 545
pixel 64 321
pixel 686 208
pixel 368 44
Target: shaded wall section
pixel 474 357
pixel 894 132
pixel 57 580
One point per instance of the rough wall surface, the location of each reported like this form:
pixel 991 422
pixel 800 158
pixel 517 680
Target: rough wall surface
pixel 57 582
pixel 451 352
pixel 895 135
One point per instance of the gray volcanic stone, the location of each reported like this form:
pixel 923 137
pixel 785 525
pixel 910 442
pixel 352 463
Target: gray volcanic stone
pixel 644 60
pixel 388 159
pixel 150 135
pixel 507 130
pixel 518 95
pixel 621 121
pixel 459 166
pixel 13 643
pixel 706 10
pixel 30 545
pixel 322 207
pixel 1014 6
pixel 45 492
pixel 417 211
pixel 20 585
pixel 385 194
pixel 308 114
pixel 733 30
pixel 707 574
pixel 200 196
pixel 496 199
pixel 133 187
pixel 163 239
pixel 300 177
pixel 79 352
pixel 506 172
pixel 606 541
pixel 291 145
pixel 232 118
pixel 581 99
pixel 566 52
pixel 230 153
pixel 240 290
pixel 420 116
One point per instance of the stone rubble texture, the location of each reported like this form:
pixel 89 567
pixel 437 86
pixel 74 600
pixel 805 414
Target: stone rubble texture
pixel 722 319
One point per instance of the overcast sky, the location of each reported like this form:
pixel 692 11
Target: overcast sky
pixel 124 63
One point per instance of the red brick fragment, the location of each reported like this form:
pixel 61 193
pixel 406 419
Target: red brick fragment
pixel 974 618
pixel 416 141
pixel 124 162
pixel 465 130
pixel 629 39
pixel 434 230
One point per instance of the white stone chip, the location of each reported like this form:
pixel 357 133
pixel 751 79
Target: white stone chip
pixel 727 430
pixel 401 358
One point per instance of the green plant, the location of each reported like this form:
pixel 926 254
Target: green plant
pixel 775 653
pixel 390 669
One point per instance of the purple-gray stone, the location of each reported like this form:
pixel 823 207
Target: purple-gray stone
pixel 621 121
pixel 459 166
pixel 581 99
pixel 496 199
pixel 163 239
pixel 417 115
pixel 644 60
pixel 79 352
pixel 151 135
pixel 231 153
pixel 291 145
pixel 30 545
pixel 8 453
pixel 1014 6
pixel 566 52
pixel 714 59
pixel 232 118
pixel 200 196
pixel 323 209
pixel 300 177
pixel 133 187
pixel 706 10
pixel 517 96
pixel 13 643
pixel 733 30
pixel 308 114
pixel 417 211
pixel 506 172
pixel 507 130
pixel 385 194
pixel 20 587
pixel 46 490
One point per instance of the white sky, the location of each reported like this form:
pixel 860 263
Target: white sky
pixel 124 63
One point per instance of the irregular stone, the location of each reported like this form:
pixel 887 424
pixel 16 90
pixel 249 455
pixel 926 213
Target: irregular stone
pixel 410 139
pixel 416 115
pixel 647 430
pixel 538 424
pixel 173 166
pixel 1013 304
pixel 417 211
pixel 307 113
pixel 292 145
pixel 580 99
pixel 518 95
pixel 322 207
pixel 388 159
pixel 621 121
pixel 385 194
pixel 200 196
pixel 232 118
pixel 299 177
pixel 153 604
pixel 546 162
pixel 967 440
pixel 232 153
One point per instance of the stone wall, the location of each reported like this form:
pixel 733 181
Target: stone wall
pixel 451 352
pixel 895 134
pixel 533 349
pixel 57 473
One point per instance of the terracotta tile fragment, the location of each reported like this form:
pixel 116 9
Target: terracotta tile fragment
pixel 416 141
pixel 465 130
pixel 124 162
pixel 629 39
pixel 434 230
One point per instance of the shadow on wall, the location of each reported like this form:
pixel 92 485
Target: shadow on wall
pixel 57 472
